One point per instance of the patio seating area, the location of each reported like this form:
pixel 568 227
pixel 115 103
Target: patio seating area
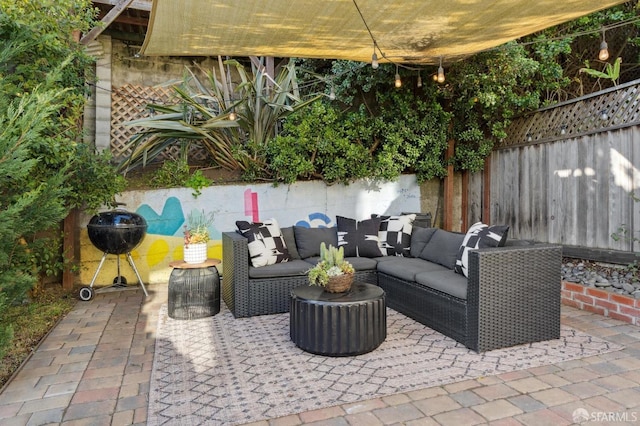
pixel 95 368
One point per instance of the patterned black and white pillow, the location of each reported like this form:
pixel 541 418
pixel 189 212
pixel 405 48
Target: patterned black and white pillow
pixel 478 236
pixel 265 241
pixel 359 238
pixel 395 234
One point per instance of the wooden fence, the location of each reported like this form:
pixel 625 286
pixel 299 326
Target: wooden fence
pixel 567 174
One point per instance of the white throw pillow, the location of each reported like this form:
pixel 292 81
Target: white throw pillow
pixel 478 236
pixel 265 241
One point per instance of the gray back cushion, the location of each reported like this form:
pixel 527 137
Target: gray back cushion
pixel 290 241
pixel 443 248
pixel 419 238
pixel 308 240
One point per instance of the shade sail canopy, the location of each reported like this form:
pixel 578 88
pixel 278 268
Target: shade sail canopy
pixel 406 31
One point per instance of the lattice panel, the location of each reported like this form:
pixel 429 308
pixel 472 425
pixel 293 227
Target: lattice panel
pixel 609 109
pixel 128 103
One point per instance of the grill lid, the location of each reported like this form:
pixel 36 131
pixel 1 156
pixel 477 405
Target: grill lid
pixel 117 231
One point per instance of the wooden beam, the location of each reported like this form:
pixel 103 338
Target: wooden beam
pixel 69 247
pixel 131 20
pixel 107 20
pixel 601 255
pixel 486 191
pixel 144 5
pixel 130 37
pixel 465 201
pixel 449 190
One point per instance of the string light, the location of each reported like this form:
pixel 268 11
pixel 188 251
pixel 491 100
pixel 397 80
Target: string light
pixel 374 61
pixel 232 115
pixel 419 80
pixel 603 55
pixel 332 94
pixel 440 77
pixel 398 82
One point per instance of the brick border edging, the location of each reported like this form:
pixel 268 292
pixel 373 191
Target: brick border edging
pixel 612 305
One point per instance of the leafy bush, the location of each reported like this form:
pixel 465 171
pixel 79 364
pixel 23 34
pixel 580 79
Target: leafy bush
pixel 44 169
pixel 371 132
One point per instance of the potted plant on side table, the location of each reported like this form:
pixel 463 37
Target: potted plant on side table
pixel 196 237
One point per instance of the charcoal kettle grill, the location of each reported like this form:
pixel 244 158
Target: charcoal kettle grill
pixel 115 232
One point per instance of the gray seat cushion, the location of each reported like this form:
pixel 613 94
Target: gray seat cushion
pixel 362 263
pixel 406 268
pixel 446 281
pixel 284 269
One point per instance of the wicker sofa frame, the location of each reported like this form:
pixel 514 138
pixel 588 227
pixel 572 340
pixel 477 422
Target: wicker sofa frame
pixel 247 297
pixel 513 297
pixel 513 294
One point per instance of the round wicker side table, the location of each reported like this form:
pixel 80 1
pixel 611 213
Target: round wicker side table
pixel 194 290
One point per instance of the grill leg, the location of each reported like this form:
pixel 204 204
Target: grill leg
pixel 133 265
pixel 104 256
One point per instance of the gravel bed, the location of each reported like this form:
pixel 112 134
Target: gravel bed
pixel 620 279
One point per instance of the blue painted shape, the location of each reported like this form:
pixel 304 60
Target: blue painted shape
pixel 168 222
pixel 316 220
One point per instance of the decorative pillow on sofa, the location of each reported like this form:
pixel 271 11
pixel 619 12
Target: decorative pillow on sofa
pixel 395 234
pixel 478 236
pixel 265 241
pixel 359 239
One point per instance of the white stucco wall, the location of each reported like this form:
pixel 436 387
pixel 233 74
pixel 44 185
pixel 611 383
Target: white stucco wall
pixel 312 204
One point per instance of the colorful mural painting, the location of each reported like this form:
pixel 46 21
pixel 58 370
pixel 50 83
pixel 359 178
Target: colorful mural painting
pixel 309 204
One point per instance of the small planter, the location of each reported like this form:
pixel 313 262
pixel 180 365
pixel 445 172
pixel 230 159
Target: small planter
pixel 339 284
pixel 195 253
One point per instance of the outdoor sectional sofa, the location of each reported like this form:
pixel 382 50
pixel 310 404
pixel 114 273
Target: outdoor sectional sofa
pixel 511 295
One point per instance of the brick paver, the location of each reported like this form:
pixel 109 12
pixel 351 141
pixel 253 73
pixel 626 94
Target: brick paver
pixel 95 366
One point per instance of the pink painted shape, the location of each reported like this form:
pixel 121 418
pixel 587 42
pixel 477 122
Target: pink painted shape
pixel 251 205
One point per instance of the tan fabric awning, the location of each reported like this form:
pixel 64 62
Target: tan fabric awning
pixel 406 31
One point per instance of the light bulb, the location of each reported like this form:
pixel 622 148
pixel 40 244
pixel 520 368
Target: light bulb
pixel 419 81
pixel 332 94
pixel 440 76
pixel 398 82
pixel 374 61
pixel 233 116
pixel 604 51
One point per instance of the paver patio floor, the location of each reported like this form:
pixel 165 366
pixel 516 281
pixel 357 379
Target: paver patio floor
pixel 94 368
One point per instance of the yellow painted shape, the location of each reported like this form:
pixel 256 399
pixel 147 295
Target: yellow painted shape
pixel 157 253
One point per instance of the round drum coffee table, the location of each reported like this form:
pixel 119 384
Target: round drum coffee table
pixel 338 324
